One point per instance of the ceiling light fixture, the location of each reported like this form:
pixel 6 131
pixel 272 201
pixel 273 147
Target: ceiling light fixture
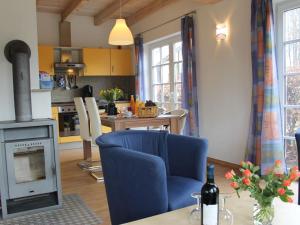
pixel 120 34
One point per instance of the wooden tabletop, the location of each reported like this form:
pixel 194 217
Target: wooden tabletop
pixel 285 213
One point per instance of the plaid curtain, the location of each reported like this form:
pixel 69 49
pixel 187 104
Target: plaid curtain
pixel 265 142
pixel 139 62
pixel 189 80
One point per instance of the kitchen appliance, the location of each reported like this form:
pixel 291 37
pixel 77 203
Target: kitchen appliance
pixel 68 120
pixel 69 61
pixel 87 91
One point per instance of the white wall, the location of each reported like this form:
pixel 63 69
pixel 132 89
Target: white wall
pixel 18 21
pixel 83 31
pixel 224 71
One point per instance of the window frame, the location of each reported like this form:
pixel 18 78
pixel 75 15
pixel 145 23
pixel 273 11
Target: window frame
pixel 282 76
pixel 170 41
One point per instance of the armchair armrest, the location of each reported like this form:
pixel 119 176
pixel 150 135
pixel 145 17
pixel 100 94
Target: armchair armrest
pixel 187 156
pixel 135 184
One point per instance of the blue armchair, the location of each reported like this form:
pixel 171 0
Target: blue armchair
pixel 150 172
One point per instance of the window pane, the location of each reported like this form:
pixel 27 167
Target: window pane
pixel 178 92
pixel 165 54
pixel 157 93
pixel 166 93
pixel 177 72
pixel 291 153
pixel 155 56
pixel 292 24
pixel 292 121
pixel 293 90
pixel 177 51
pixel 292 58
pixel 156 77
pixel 165 74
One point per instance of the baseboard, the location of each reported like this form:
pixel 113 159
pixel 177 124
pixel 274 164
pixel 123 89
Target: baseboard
pixel 223 163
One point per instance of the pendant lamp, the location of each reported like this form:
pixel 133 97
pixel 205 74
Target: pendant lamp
pixel 120 34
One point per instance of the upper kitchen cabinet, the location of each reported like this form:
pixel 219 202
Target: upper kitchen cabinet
pixel 121 62
pixel 97 61
pixel 46 58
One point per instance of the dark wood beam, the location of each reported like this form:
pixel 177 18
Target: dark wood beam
pixel 75 4
pixel 148 10
pixel 109 11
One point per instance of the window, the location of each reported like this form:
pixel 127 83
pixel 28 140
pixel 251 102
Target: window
pixel 289 74
pixel 165 72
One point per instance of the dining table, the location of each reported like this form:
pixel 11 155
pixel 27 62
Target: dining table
pixel 117 123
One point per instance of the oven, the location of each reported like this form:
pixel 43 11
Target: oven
pixel 68 120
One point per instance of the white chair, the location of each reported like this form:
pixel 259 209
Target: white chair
pixel 95 125
pixel 87 164
pixel 182 113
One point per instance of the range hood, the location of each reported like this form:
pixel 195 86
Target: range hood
pixel 69 59
pixel 63 65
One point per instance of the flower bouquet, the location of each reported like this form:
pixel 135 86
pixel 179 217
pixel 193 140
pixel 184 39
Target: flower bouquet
pixel 264 188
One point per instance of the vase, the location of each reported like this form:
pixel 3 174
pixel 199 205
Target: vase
pixel 263 214
pixel 111 109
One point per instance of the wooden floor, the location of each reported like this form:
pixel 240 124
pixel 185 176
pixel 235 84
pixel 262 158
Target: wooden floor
pixel 74 180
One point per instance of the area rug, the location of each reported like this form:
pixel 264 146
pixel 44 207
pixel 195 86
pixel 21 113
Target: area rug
pixel 73 212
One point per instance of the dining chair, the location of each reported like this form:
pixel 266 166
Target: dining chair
pixel 87 164
pixel 95 128
pixel 182 113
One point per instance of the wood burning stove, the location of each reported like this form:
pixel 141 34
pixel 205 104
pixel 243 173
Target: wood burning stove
pixel 29 163
pixel 29 167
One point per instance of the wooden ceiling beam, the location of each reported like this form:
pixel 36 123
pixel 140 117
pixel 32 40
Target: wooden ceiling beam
pixel 75 4
pixel 148 10
pixel 109 11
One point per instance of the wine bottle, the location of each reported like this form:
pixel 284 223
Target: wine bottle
pixel 210 199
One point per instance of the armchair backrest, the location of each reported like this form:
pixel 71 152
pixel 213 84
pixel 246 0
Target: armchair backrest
pixel 149 142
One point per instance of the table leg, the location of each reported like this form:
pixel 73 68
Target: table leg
pixel 87 150
pixel 174 126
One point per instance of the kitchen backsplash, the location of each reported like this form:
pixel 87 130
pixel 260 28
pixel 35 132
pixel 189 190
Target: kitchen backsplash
pixel 127 84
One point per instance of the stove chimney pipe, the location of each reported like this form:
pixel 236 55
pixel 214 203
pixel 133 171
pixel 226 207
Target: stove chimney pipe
pixel 18 53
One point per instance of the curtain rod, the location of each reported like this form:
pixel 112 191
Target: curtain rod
pixel 169 21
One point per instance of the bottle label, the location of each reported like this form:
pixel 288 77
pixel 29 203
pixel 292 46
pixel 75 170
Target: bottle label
pixel 210 214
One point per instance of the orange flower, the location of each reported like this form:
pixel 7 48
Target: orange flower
pixel 278 163
pixel 281 191
pixel 235 185
pixel 293 176
pixel 295 168
pixel 247 173
pixel 228 175
pixel 289 199
pixel 286 183
pixel 246 181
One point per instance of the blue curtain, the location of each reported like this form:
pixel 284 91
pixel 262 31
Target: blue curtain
pixel 189 76
pixel 265 142
pixel 139 61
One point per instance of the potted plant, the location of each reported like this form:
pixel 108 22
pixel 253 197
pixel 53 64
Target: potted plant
pixel 111 95
pixel 264 188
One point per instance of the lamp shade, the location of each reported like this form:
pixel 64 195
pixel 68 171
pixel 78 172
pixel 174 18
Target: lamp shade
pixel 120 34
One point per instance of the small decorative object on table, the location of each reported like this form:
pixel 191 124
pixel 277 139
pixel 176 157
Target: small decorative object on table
pixel 111 95
pixel 264 188
pixel 149 109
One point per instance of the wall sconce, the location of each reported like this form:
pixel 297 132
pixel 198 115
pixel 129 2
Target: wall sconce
pixel 221 32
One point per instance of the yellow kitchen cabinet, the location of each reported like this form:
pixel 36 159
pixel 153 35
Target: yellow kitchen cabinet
pixel 121 62
pixel 46 59
pixel 97 61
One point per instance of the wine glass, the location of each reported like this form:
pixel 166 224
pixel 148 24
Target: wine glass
pixel 195 215
pixel 225 216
